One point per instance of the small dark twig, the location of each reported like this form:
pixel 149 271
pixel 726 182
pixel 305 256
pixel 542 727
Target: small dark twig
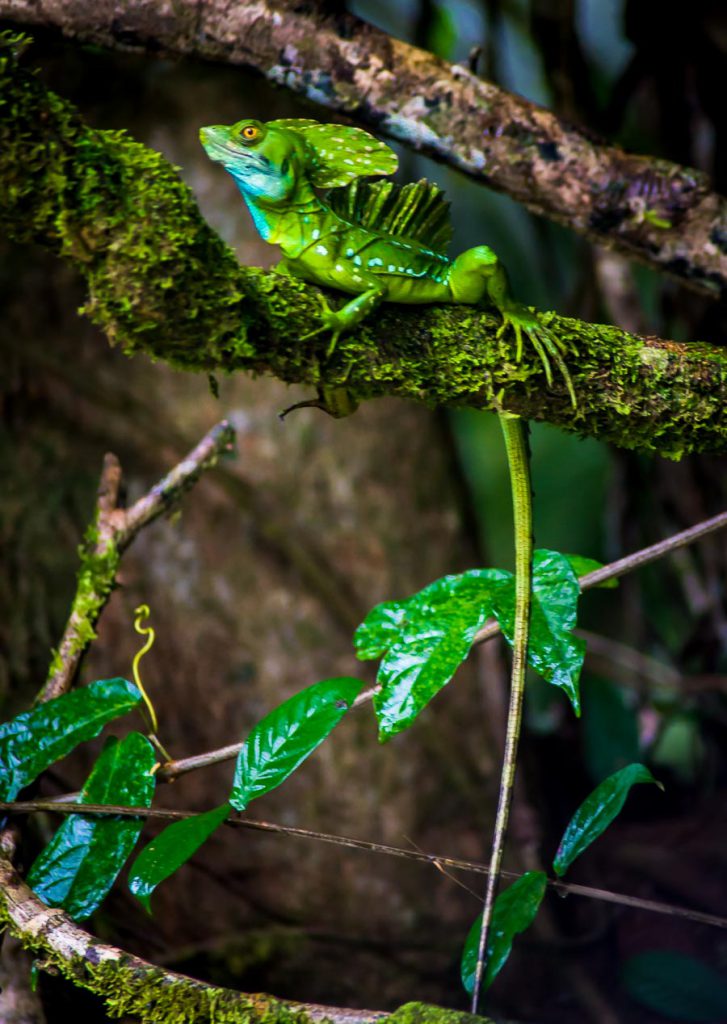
pixel 437 861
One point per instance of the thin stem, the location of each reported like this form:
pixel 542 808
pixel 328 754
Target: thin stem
pixel 112 531
pixel 63 805
pixel 627 564
pixel 516 445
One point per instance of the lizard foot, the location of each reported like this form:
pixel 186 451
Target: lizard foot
pixel 546 344
pixel 330 321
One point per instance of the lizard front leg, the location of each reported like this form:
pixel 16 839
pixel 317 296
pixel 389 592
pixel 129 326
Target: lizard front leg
pixel 339 321
pixel 338 401
pixel 478 274
pixel 369 291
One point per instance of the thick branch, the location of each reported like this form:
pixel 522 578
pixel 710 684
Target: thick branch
pixel 133 987
pixel 160 280
pixel 336 60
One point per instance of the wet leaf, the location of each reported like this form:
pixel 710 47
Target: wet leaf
pixel 33 741
pixel 514 911
pixel 677 986
pixel 170 850
pixel 597 812
pixel 424 640
pixel 379 630
pixel 81 862
pixel 285 737
pixel 553 650
pixel 581 566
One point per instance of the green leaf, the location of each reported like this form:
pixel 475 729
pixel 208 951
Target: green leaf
pixel 379 630
pixel 424 640
pixel 33 741
pixel 81 862
pixel 172 848
pixel 514 911
pixel 677 986
pixel 553 650
pixel 285 737
pixel 581 566
pixel 597 812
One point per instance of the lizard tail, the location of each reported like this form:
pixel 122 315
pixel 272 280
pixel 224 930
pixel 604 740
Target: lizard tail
pixel 516 444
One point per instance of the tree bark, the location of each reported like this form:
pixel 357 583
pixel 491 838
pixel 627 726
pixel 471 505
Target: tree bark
pixel 160 280
pixel 653 210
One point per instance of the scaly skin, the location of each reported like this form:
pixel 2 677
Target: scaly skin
pixel 277 167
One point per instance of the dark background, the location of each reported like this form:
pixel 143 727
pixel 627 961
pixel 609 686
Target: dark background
pixel 256 587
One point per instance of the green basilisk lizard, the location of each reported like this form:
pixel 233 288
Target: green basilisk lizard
pixel 382 242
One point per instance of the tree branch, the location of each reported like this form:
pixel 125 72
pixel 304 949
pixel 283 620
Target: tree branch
pixel 235 821
pixel 337 61
pixel 133 987
pixel 110 533
pixel 160 280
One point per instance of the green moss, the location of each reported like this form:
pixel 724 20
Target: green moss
pixel 153 996
pixel 423 1013
pixel 96 578
pixel 131 988
pixel 159 278
pixel 161 281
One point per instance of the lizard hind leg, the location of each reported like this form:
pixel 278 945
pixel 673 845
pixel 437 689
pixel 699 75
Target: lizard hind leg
pixel 478 274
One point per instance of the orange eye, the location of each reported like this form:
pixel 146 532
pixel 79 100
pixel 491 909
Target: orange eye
pixel 250 132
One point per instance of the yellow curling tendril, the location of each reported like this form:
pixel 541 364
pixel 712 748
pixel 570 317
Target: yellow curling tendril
pixel 141 613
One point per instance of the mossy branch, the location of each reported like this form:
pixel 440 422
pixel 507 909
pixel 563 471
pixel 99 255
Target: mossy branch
pixel 162 282
pixel 656 211
pixel 112 530
pixel 132 987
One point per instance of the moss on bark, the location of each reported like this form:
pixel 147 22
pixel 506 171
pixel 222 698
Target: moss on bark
pixel 162 282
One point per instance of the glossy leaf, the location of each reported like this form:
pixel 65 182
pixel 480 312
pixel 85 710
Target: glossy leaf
pixel 553 650
pixel 379 630
pixel 33 741
pixel 285 737
pixel 172 848
pixel 677 986
pixel 424 640
pixel 581 566
pixel 597 812
pixel 514 911
pixel 81 862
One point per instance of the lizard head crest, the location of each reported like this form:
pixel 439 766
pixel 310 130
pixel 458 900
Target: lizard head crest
pixel 269 160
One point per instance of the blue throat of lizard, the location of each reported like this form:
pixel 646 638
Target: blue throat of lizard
pixel 288 221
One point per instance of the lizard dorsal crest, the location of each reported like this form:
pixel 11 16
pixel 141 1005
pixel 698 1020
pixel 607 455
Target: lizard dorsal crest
pixel 417 212
pixel 341 153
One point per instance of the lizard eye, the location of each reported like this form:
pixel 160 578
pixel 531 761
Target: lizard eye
pixel 249 133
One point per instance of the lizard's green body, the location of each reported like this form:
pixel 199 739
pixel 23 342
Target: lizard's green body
pixel 383 243
pixel 378 242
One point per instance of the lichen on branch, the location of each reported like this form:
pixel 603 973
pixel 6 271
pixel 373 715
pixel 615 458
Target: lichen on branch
pixel 654 210
pixel 132 987
pixel 162 282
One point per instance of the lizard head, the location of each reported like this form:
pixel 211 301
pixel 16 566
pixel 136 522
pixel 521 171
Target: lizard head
pixel 266 162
